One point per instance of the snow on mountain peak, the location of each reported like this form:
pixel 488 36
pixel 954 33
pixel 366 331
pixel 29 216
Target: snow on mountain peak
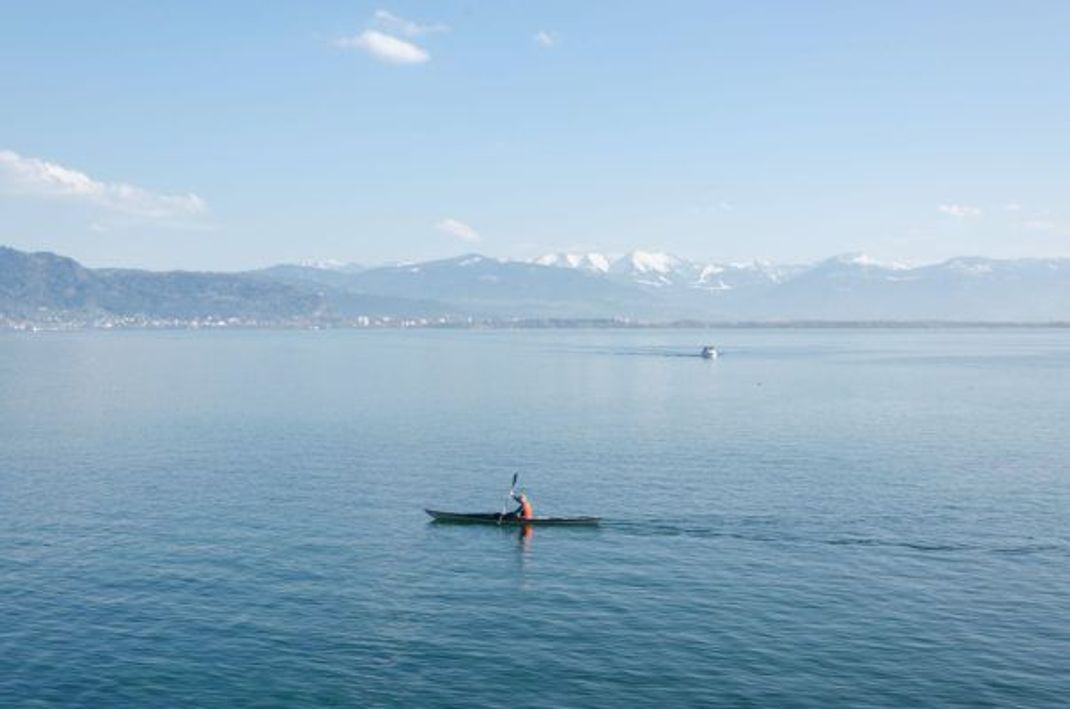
pixel 324 264
pixel 860 259
pixel 586 262
pixel 854 259
pixel 597 262
pixel 636 262
pixel 654 269
pixel 971 266
pixel 649 262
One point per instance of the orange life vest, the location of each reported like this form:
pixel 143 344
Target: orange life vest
pixel 526 512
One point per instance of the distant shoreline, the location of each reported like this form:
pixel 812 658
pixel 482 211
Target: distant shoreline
pixel 136 324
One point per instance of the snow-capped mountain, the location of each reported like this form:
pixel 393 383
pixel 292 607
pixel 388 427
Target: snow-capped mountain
pixel 331 265
pixel 644 286
pixel 501 288
pixel 646 264
pixel 854 288
pixel 593 262
pixel 662 286
pixel 850 286
pixel 645 268
pixel 656 270
pixel 651 269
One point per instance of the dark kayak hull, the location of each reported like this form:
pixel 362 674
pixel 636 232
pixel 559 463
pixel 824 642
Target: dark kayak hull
pixel 498 519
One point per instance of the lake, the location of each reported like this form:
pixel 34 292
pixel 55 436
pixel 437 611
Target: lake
pixel 819 518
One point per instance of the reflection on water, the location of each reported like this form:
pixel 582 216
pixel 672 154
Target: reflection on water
pixel 525 537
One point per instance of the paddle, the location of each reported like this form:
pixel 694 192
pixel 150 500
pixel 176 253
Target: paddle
pixel 509 494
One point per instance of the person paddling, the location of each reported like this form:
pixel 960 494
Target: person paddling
pixel 525 510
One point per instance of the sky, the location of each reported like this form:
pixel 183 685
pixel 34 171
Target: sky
pixel 226 136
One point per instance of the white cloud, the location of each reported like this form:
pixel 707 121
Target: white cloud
pixel 1012 207
pixel 40 178
pixel 385 48
pixel 960 211
pixel 457 228
pixel 383 42
pixel 545 39
pixel 390 22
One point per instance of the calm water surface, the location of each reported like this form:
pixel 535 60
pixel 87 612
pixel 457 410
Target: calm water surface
pixel 820 518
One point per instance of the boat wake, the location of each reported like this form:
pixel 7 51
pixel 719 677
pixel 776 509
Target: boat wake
pixel 766 530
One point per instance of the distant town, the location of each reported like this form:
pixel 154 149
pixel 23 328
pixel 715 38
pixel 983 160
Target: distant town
pixel 59 322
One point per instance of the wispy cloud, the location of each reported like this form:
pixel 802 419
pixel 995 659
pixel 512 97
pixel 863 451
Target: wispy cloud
pixel 546 39
pixel 40 178
pixel 385 48
pixel 960 211
pixel 389 22
pixel 382 42
pixel 459 229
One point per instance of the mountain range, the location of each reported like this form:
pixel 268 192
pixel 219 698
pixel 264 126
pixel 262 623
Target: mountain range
pixel 640 286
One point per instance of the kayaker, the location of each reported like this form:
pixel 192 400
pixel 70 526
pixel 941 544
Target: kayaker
pixel 525 510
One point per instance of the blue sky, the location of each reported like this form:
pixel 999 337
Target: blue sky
pixel 239 134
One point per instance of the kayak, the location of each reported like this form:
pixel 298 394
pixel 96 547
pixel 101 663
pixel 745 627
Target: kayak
pixel 498 518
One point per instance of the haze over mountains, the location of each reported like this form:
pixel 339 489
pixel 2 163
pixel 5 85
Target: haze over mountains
pixel 640 286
